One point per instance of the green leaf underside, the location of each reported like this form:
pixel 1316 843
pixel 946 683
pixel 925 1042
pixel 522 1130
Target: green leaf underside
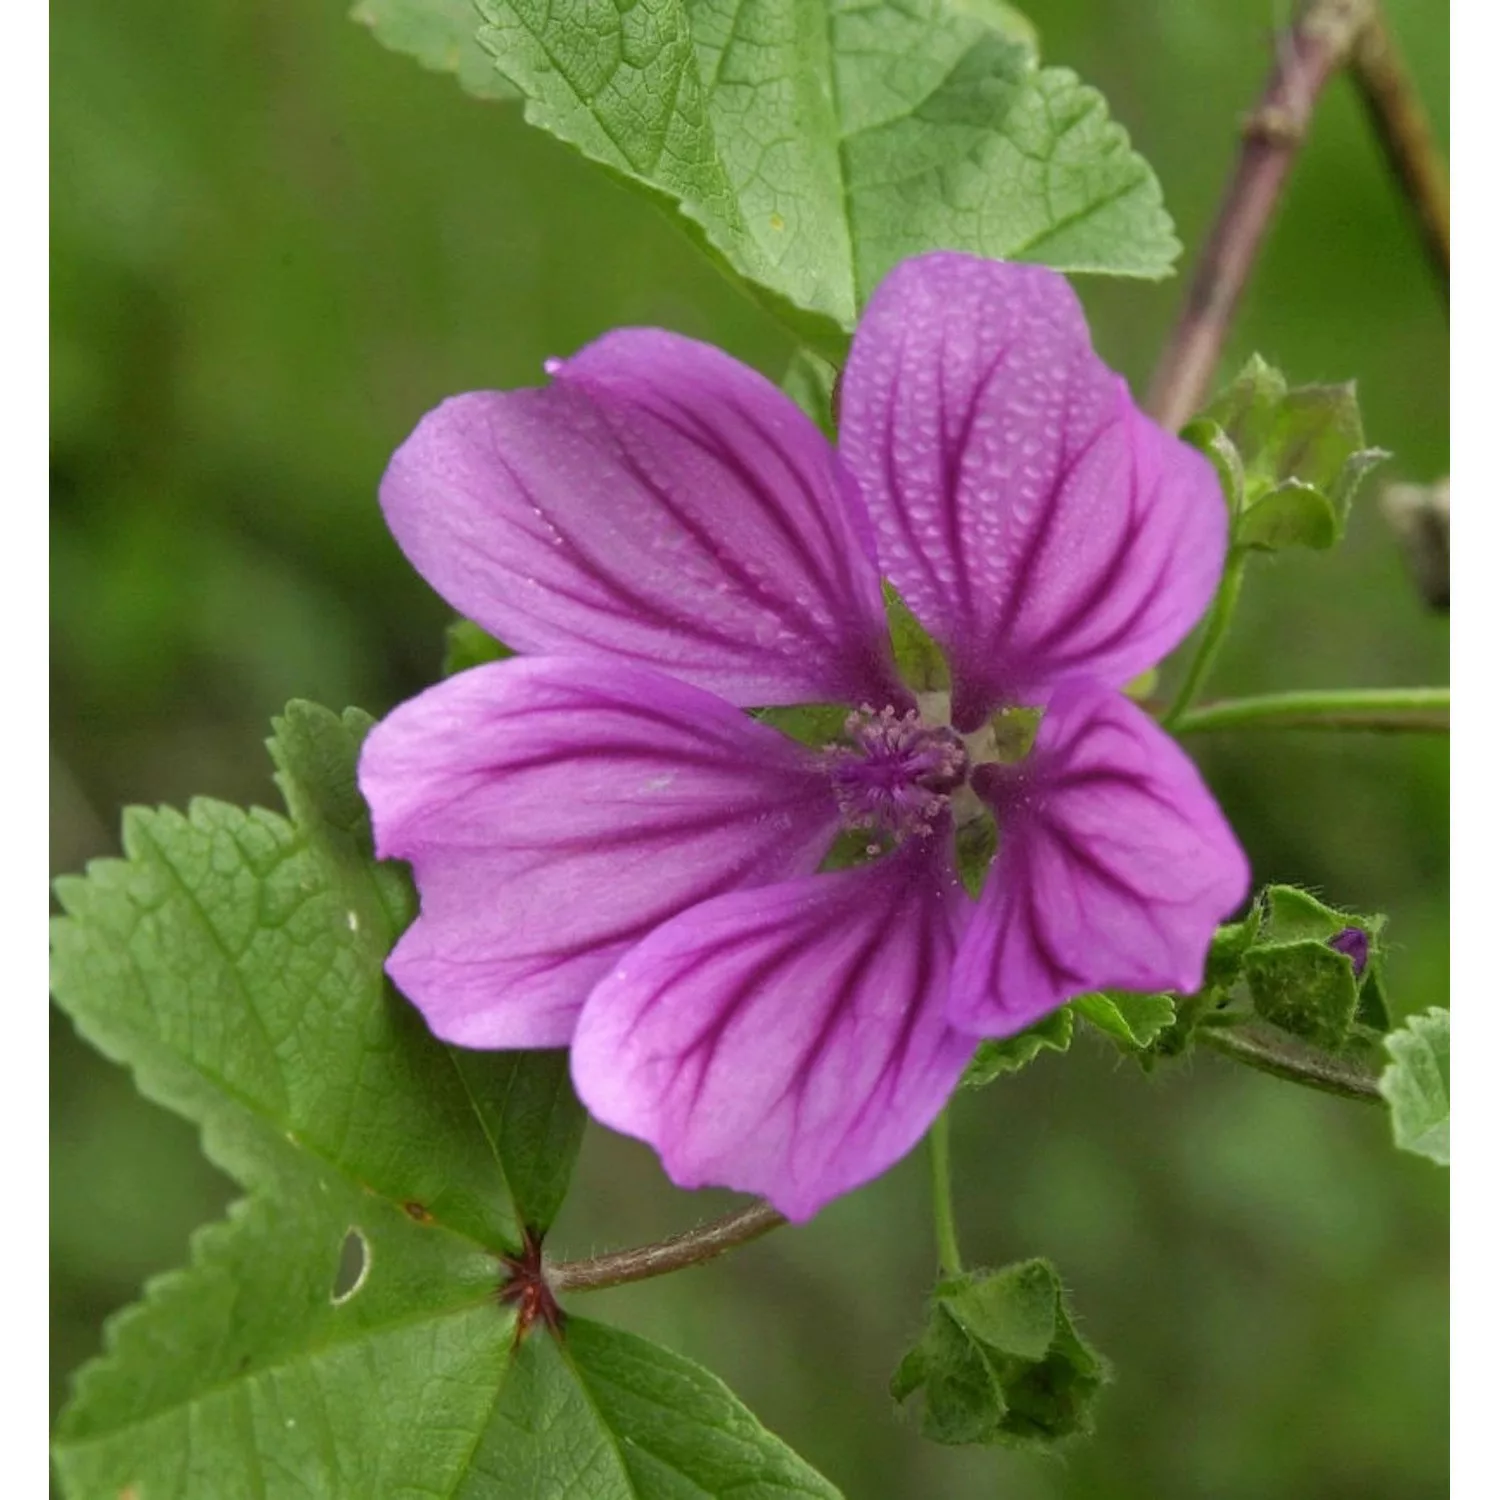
pixel 441 35
pixel 1416 1087
pixel 233 960
pixel 813 147
pixel 1001 1363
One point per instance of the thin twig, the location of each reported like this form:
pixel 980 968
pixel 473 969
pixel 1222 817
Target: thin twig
pixel 1285 1058
pixel 1319 41
pixel 688 1249
pixel 1396 114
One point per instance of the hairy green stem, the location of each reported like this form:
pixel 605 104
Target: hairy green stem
pixel 1285 1058
pixel 1219 616
pixel 1422 710
pixel 688 1249
pixel 945 1227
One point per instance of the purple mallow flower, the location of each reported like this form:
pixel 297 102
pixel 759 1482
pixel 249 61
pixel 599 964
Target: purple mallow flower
pixel 613 856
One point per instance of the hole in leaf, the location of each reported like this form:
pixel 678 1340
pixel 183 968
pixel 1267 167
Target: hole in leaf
pixel 354 1266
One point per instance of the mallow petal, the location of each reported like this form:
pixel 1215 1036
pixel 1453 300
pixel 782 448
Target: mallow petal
pixel 1031 517
pixel 788 1041
pixel 1115 867
pixel 554 812
pixel 660 503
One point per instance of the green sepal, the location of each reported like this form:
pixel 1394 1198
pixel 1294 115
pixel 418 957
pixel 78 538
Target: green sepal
pixel 919 658
pixel 1213 443
pixel 1299 983
pixel 1293 514
pixel 1013 732
pixel 1053 1033
pixel 810 724
pixel 974 847
pixel 1226 953
pixel 1305 988
pixel 1222 971
pixel 1001 1363
pixel 1131 1021
pixel 1290 459
pixel 466 645
pixel 1416 1084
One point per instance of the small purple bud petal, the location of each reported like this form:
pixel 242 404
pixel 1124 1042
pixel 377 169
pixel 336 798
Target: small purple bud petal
pixel 1354 943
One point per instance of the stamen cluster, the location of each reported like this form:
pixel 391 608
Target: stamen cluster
pixel 895 774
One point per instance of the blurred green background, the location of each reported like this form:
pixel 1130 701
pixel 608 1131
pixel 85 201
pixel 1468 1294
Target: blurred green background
pixel 275 246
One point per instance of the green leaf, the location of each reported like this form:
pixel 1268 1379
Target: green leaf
pixel 608 1416
pixel 812 147
pixel 1001 1363
pixel 1131 1021
pixel 1300 452
pixel 441 35
pixel 466 645
pixel 233 960
pixel 1053 1033
pixel 1415 1085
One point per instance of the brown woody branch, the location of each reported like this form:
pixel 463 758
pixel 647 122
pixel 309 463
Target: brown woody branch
pixel 1318 43
pixel 689 1249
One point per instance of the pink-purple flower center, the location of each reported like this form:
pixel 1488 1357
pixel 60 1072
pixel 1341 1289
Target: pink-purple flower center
pixel 895 774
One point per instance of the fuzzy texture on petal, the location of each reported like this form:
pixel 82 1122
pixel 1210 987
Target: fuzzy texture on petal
pixel 787 1041
pixel 1032 519
pixel 659 503
pixel 554 812
pixel 1115 868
